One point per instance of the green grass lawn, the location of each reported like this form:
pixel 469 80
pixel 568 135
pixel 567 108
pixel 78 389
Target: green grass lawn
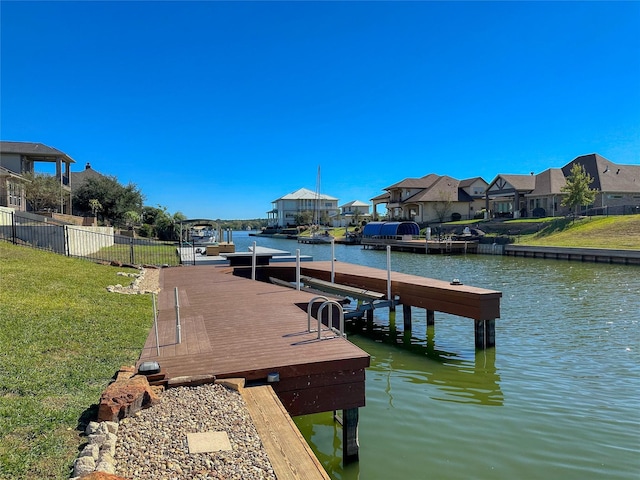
pixel 62 337
pixel 161 254
pixel 618 232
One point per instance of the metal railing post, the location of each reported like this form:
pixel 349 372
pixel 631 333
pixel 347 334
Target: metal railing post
pixel 298 269
pixel 333 259
pixel 155 322
pixel 253 261
pixel 330 319
pixel 178 327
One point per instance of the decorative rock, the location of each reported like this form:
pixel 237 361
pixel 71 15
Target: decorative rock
pixel 83 465
pixel 92 428
pixel 124 398
pixel 90 450
pixel 112 427
pixel 105 467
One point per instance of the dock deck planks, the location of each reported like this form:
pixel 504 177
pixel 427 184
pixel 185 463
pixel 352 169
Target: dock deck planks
pixel 464 300
pixel 235 327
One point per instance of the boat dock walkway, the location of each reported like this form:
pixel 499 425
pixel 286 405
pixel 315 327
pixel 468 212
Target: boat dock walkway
pixel 480 304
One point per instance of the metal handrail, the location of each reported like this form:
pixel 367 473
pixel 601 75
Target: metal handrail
pixel 330 320
pixel 309 305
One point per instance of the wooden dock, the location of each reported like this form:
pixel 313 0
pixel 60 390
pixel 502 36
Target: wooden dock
pixel 450 247
pixel 233 327
pixel 480 304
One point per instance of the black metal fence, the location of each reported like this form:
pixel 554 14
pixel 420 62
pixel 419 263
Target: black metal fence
pixel 92 243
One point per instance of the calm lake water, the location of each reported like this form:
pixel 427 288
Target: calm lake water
pixel 558 398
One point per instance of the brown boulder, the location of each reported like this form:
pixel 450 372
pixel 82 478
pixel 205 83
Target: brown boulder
pixel 124 397
pixel 101 476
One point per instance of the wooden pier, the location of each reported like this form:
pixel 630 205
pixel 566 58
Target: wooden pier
pixel 479 304
pixel 450 247
pixel 232 327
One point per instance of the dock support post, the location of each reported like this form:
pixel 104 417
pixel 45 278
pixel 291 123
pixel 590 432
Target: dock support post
pixel 485 333
pixel 406 314
pixel 431 317
pixel 350 443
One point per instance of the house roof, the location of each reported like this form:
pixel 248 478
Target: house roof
pixel 305 194
pixel 381 198
pixel 467 182
pixel 80 178
pixel 355 203
pixel 607 176
pixel 32 149
pixel 549 182
pixel 422 182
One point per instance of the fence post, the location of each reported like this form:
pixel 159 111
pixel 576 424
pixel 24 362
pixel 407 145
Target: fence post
pixel 14 230
pixel 67 250
pixel 131 255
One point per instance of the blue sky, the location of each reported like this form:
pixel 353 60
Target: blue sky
pixel 216 109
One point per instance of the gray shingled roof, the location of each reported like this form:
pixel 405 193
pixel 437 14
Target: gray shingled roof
pixel 549 182
pixel 608 176
pixel 33 149
pixel 423 182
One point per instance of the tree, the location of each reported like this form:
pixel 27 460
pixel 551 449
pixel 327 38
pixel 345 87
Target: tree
pixel 115 199
pixel 167 226
pixel 576 191
pixel 43 192
pixel 95 206
pixel 443 206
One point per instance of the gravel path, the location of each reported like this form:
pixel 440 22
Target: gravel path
pixel 153 444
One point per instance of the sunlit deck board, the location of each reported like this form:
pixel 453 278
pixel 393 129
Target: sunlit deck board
pixel 289 453
pixel 235 327
pixel 464 300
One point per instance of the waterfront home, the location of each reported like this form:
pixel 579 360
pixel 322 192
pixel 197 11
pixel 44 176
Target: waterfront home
pixel 432 198
pixel 287 209
pixel 18 159
pixel 540 195
pixel 352 214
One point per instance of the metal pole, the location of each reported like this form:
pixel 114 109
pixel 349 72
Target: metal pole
pixel 298 269
pixel 253 262
pixel 178 328
pixel 155 322
pixel 333 259
pixel 388 272
pixel 131 255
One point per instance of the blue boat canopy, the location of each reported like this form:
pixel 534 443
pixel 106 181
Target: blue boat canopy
pixel 390 229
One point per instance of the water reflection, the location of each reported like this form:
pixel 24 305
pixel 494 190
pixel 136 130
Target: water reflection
pixel 459 378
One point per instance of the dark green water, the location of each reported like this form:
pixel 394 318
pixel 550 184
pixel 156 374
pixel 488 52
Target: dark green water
pixel 559 396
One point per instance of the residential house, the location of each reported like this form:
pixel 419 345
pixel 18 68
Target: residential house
pixel 18 159
pixel 352 213
pixel 320 208
pixel 78 179
pixel 618 188
pixel 432 198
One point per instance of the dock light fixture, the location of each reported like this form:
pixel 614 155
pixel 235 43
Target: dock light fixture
pixel 273 377
pixel 456 281
pixel 149 368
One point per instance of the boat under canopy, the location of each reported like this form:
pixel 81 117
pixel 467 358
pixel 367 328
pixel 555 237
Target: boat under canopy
pixel 390 229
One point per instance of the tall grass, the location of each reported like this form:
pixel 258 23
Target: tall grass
pixel 62 337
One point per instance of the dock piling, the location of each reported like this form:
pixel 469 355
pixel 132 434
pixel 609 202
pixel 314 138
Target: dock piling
pixel 406 314
pixel 350 443
pixel 485 333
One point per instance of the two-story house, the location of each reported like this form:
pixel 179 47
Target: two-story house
pixel 432 198
pixel 18 159
pixel 287 209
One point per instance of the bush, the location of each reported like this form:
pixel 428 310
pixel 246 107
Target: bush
pixel 456 217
